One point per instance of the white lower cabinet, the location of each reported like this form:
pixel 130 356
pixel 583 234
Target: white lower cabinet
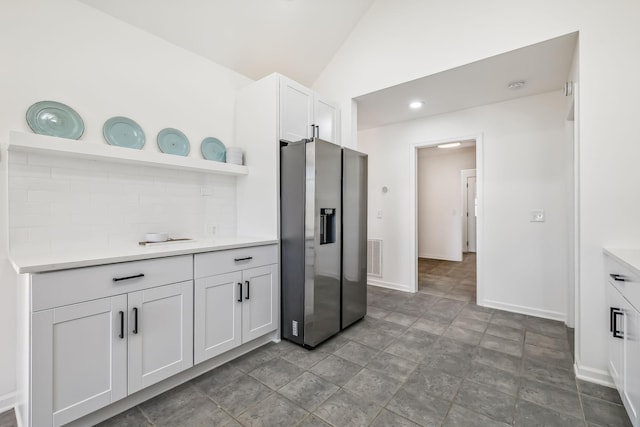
pixel 234 307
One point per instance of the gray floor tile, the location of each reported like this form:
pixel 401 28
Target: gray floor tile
pixel 558 359
pixel 308 391
pixel 503 345
pixel 387 419
pixel 356 353
pixel 438 384
pixel 559 399
pixel 449 347
pixel 497 359
pixel 470 323
pixel 377 313
pixel 274 411
pixel 601 392
pixel 347 409
pixel 449 365
pixel 498 379
pixel 8 419
pixel 131 418
pixel 532 415
pixel 506 332
pixel 313 421
pixel 255 358
pixel 373 338
pixel 336 370
pixel 547 327
pixel 400 318
pixel 421 408
pixel 333 344
pixel 303 357
pixel 462 417
pixel 217 378
pixel 549 374
pixel 432 326
pixel 486 401
pixel 555 343
pixel 373 386
pixel 276 373
pixel 604 413
pixel 392 366
pixel 236 397
pixel 463 335
pixel 408 348
pixel 184 405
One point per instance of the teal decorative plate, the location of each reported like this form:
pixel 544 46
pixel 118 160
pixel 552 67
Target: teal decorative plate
pixel 123 132
pixel 55 119
pixel 172 141
pixel 213 149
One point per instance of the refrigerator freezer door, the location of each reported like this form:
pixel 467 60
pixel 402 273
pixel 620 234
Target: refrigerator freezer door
pixel 354 236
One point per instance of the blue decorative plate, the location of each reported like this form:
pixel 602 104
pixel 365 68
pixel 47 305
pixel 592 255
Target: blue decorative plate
pixel 123 132
pixel 213 149
pixel 55 119
pixel 172 141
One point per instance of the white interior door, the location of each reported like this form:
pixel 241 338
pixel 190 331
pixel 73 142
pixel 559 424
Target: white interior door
pixel 472 213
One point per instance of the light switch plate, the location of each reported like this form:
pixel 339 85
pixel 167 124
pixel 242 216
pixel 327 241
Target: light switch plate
pixel 537 215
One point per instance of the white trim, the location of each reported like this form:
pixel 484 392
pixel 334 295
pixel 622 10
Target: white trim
pixel 531 311
pixel 389 285
pixel 464 219
pixel 8 401
pixel 439 256
pixel 413 212
pixel 593 375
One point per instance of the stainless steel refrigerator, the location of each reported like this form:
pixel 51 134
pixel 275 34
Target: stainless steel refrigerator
pixel 322 199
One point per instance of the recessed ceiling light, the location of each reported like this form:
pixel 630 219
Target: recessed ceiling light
pixel 449 145
pixel 516 85
pixel 416 104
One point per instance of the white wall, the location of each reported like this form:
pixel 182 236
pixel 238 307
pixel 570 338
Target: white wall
pixel 399 41
pixel 523 161
pixel 69 52
pixel 440 201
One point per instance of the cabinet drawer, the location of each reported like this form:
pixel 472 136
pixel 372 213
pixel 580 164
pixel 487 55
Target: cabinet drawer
pixel 626 280
pixel 64 287
pixel 212 263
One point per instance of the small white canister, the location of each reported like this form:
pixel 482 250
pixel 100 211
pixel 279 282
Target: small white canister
pixel 234 155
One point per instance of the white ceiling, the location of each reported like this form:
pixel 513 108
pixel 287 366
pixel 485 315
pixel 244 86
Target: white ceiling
pixel 297 38
pixel 544 66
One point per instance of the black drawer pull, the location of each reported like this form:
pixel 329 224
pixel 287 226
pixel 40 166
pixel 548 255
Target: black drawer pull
pixel 618 277
pixel 135 320
pixel 121 336
pixel 117 279
pixel 617 333
pixel 248 284
pixel 240 290
pixel 247 258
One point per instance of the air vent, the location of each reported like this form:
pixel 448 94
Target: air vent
pixel 374 257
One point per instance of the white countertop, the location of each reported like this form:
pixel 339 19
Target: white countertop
pixel 628 257
pixel 33 263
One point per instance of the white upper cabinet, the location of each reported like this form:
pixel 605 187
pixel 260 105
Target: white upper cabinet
pixel 304 114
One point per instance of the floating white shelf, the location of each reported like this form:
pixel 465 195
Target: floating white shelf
pixel 34 143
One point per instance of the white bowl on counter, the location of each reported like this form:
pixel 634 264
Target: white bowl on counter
pixel 161 236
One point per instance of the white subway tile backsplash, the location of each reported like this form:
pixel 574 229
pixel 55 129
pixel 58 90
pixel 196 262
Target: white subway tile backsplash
pixel 69 204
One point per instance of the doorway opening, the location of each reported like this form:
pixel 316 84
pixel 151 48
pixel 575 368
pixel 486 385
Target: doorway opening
pixel 447 213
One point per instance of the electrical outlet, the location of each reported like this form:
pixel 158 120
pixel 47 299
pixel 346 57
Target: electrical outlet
pixel 536 215
pixel 211 230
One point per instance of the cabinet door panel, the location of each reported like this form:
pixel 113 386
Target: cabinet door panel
pixel 85 360
pixel 326 117
pixel 218 318
pixel 260 306
pixel 631 393
pixel 296 109
pixel 163 344
pixel 616 345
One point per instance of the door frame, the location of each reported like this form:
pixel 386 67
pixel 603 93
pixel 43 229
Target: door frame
pixel 464 175
pixel 413 195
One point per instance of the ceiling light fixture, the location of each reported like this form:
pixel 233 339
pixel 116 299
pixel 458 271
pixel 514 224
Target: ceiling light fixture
pixel 449 145
pixel 416 104
pixel 516 85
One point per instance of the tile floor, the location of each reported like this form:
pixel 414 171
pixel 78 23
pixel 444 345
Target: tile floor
pixel 432 358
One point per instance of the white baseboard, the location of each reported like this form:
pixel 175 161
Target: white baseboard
pixel 8 401
pixel 531 311
pixel 593 375
pixel 389 285
pixel 440 257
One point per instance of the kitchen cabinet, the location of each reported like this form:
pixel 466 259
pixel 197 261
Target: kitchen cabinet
pixel 89 352
pixel 624 333
pixel 305 114
pixel 236 299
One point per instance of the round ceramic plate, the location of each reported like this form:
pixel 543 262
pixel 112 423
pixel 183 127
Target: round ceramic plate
pixel 172 141
pixel 123 132
pixel 213 149
pixel 55 119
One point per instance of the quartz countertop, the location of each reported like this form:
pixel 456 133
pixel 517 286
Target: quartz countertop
pixel 36 263
pixel 628 257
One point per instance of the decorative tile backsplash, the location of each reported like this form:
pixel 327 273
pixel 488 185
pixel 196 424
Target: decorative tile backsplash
pixel 57 203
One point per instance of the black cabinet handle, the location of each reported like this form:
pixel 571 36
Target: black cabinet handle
pixel 135 320
pixel 121 336
pixel 611 317
pixel 618 277
pixel 247 258
pixel 117 279
pixel 615 312
pixel 240 290
pixel 248 284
